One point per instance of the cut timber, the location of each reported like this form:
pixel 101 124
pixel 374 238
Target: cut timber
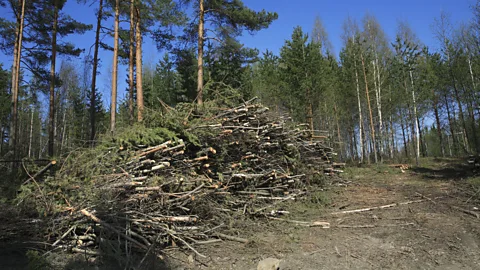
pixel 186 219
pixel 154 149
pixel 158 167
pixel 110 227
pixel 376 207
pixel 472 213
pixel 85 251
pixel 42 171
pixel 374 226
pixel 231 238
pixel 160 148
pixel 402 167
pixel 323 224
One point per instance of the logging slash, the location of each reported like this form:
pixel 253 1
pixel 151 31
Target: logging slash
pixel 176 192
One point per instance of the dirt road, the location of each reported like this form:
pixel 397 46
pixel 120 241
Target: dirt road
pixel 431 233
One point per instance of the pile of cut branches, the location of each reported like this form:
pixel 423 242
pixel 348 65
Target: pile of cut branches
pixel 243 162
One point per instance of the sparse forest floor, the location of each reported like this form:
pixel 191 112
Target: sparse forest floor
pixel 431 232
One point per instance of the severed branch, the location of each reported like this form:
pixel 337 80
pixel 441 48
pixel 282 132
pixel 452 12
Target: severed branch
pixel 42 171
pixel 231 238
pixel 374 226
pixel 376 207
pixel 85 251
pixel 472 213
pixel 106 225
pixel 64 235
pixel 153 149
pixel 323 224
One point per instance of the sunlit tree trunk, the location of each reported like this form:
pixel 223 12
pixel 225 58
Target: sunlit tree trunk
pixel 417 130
pixel 16 79
pixel 30 137
pixel 405 146
pixel 113 107
pixel 378 99
pixel 360 119
pixel 450 124
pixel 437 120
pixel 93 95
pixel 138 35
pixel 372 127
pixel 51 118
pixel 131 61
pixel 462 117
pixel 200 52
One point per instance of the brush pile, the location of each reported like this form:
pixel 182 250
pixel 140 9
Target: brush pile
pixel 182 194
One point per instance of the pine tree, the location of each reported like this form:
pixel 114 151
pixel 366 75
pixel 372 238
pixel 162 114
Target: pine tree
pixel 93 88
pixel 229 19
pixel 113 99
pixel 301 72
pixel 44 21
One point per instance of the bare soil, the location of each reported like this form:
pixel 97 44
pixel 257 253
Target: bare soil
pixel 423 235
pixel 431 234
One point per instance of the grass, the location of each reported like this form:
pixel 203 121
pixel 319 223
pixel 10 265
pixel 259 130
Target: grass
pixel 475 185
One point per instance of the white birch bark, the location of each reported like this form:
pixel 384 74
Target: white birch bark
pixel 417 131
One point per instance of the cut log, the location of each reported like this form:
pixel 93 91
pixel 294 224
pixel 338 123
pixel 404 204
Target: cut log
pixel 376 207
pixel 106 225
pixel 41 172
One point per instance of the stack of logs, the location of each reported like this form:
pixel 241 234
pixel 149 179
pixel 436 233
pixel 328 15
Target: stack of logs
pixel 181 194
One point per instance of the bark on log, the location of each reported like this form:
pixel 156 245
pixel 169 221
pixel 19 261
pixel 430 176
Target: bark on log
pixel 41 172
pixel 376 207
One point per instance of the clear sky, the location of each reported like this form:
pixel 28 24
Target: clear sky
pixel 419 13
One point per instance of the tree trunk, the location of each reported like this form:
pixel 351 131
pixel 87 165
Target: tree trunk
pixel 417 130
pixel 14 96
pixel 30 136
pixel 310 112
pixel 462 118
pixel 365 142
pixel 405 147
pixel 93 95
pixel 131 61
pixel 475 97
pixel 360 120
pixel 378 99
pixel 138 34
pixel 374 148
pixel 16 79
pixel 51 118
pixel 391 142
pixel 113 107
pixel 470 107
pixel 420 138
pixel 470 113
pixel 392 134
pixel 64 132
pixel 437 120
pixel 352 144
pixel 200 53
pixel 450 123
pixel 338 131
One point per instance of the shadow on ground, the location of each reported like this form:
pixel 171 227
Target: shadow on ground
pixel 446 169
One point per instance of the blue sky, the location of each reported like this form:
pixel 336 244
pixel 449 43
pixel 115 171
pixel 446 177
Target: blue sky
pixel 419 13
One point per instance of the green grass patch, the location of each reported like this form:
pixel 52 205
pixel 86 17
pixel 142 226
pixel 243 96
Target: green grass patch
pixel 475 182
